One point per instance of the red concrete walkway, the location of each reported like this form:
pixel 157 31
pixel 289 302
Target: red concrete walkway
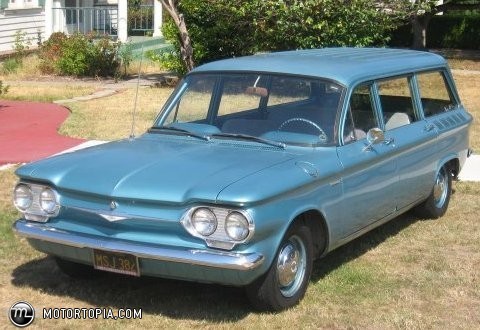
pixel 28 131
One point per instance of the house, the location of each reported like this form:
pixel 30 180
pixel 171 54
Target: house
pixel 38 19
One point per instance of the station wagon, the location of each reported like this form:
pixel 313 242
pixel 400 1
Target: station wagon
pixel 255 167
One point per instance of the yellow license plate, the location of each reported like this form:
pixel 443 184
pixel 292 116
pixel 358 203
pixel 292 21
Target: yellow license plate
pixel 116 262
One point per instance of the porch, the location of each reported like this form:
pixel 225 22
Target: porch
pixel 118 19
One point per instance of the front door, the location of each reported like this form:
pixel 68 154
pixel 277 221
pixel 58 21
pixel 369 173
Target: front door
pixel 369 172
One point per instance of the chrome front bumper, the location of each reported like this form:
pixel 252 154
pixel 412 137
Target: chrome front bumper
pixel 208 258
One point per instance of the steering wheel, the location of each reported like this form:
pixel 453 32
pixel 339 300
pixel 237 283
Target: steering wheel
pixel 322 136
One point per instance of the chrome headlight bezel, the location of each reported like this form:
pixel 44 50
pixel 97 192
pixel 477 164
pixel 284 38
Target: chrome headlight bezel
pixel 219 238
pixel 41 209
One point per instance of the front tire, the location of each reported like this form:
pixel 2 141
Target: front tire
pixel 286 281
pixel 437 203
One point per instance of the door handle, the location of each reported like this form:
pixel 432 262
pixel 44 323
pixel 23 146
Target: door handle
pixel 429 127
pixel 389 141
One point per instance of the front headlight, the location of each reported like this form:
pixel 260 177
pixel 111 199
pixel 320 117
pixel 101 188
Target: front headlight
pixel 22 197
pixel 204 221
pixel 37 202
pixel 48 200
pixel 237 226
pixel 220 227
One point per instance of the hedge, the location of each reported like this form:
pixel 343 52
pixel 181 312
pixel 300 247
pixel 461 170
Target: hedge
pixel 444 31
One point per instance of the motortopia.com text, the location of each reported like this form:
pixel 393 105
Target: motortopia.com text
pixel 91 313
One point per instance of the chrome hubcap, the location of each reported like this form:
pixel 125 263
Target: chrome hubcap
pixel 291 265
pixel 440 189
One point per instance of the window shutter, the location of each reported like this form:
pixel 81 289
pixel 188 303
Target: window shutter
pixel 3 4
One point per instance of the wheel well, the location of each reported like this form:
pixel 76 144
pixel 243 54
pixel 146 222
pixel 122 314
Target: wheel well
pixel 315 221
pixel 454 167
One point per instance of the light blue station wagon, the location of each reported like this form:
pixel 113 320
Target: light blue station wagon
pixel 255 167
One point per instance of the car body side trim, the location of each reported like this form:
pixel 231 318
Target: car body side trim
pixel 207 257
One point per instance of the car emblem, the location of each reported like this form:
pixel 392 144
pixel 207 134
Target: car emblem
pixel 113 205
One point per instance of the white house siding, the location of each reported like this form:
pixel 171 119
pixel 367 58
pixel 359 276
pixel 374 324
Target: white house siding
pixel 31 21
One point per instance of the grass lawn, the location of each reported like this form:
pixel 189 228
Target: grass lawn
pixel 408 273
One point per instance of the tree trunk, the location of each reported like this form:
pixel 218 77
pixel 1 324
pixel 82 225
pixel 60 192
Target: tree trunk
pixel 186 49
pixel 419 27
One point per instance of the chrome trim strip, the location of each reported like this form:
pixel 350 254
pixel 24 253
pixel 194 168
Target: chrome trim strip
pixel 123 216
pixel 208 258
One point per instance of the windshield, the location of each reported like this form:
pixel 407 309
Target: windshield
pixel 286 109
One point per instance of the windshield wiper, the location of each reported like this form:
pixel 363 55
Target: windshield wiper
pixel 155 129
pixel 250 138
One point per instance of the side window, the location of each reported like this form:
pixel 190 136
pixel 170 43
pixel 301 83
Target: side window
pixel 361 114
pixel 397 102
pixel 435 93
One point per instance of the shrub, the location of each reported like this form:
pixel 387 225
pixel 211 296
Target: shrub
pixel 51 51
pixel 454 31
pixel 125 54
pixel 11 65
pixel 444 31
pixel 3 89
pixel 168 60
pixel 79 55
pixel 21 43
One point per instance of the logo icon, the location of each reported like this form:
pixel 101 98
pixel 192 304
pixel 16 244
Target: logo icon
pixel 21 314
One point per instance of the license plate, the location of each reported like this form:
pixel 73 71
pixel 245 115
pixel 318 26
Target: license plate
pixel 116 262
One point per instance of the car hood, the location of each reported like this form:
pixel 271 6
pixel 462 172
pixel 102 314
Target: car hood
pixel 156 167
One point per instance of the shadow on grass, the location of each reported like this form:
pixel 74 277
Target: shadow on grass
pixel 361 245
pixel 179 299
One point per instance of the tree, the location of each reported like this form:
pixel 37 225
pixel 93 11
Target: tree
pixel 225 28
pixel 186 49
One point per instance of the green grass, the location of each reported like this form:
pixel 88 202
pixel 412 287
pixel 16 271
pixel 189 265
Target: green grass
pixel 45 92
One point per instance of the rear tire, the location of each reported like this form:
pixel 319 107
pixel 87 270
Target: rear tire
pixel 286 281
pixel 437 203
pixel 75 270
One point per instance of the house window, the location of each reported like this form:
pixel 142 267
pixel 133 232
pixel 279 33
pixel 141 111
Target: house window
pixel 22 4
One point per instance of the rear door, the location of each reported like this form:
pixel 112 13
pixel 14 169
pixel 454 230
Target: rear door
pixel 410 138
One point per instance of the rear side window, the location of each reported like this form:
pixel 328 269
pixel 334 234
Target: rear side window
pixel 397 102
pixel 435 93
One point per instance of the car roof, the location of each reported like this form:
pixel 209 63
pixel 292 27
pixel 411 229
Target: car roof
pixel 345 65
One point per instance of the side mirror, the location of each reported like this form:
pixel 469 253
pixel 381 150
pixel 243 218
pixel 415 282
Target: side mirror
pixel 374 136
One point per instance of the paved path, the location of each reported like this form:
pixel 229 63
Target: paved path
pixel 471 170
pixel 28 131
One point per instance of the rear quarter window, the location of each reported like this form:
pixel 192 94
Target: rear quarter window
pixel 435 93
